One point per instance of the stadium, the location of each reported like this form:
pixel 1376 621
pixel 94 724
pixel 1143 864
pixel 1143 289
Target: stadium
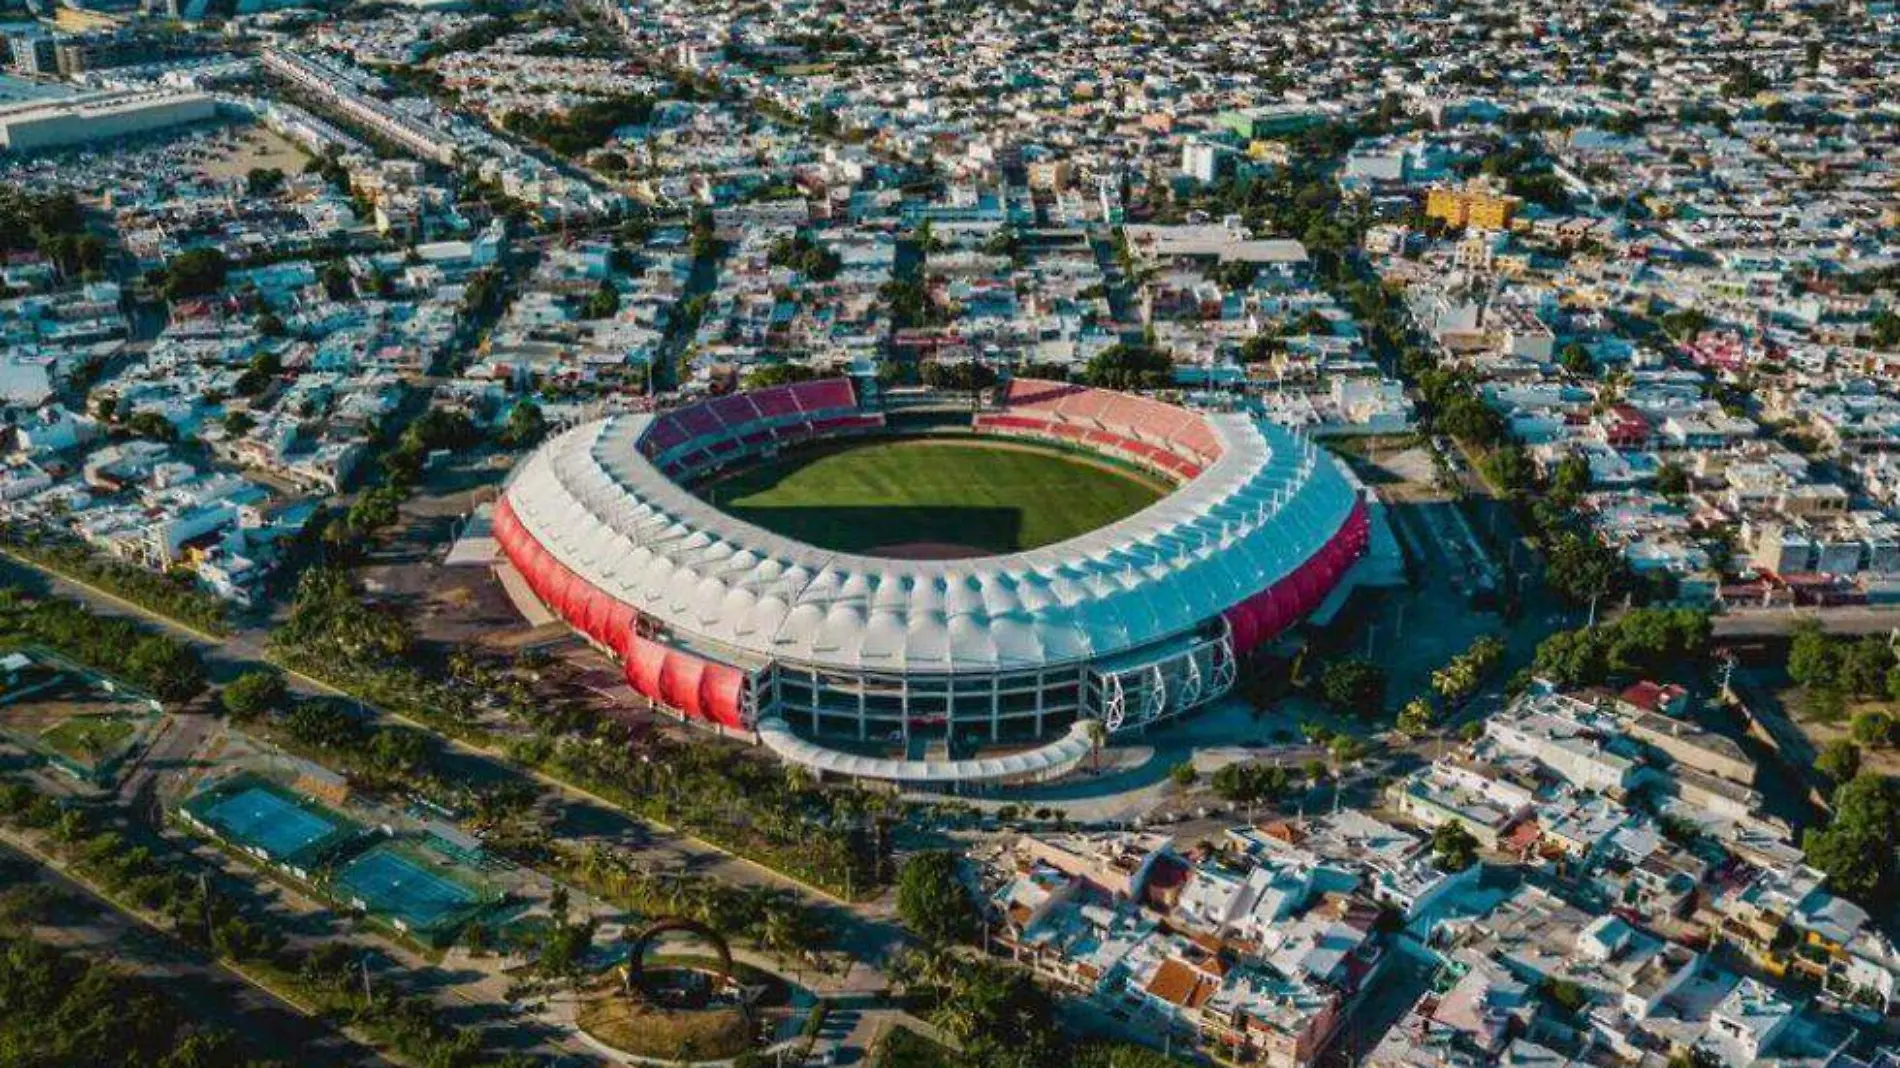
pixel 947 646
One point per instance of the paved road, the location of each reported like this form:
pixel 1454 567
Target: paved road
pixel 88 924
pixel 1769 622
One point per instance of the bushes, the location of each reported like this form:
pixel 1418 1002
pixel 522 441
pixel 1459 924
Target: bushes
pixel 1246 783
pixel 1130 367
pixel 253 693
pixel 166 668
pixel 66 1009
pixel 933 900
pixel 807 257
pixel 1354 685
pixel 1647 642
pixel 774 920
pixel 1838 668
pixel 1856 848
pixel 777 374
pixel 1461 678
pixel 195 272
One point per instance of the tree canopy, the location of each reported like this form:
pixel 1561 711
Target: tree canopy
pixel 1645 642
pixel 933 900
pixel 195 272
pixel 1856 847
pixel 1129 367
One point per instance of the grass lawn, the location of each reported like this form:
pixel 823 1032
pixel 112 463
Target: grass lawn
pixel 88 738
pixel 874 495
pixel 900 1047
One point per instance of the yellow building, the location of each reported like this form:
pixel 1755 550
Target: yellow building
pixel 1476 208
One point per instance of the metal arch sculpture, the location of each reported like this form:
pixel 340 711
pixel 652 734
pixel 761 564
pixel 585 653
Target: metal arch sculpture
pixel 636 956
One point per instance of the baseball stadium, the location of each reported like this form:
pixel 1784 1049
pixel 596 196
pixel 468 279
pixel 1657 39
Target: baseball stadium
pixel 931 608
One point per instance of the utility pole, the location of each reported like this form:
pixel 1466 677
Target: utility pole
pixel 369 995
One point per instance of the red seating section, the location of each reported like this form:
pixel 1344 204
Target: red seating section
pixel 1262 617
pixel 697 688
pixel 688 439
pixel 1143 431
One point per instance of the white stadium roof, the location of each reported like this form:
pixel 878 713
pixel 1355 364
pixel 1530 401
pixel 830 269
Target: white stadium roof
pixel 718 583
pixel 1044 761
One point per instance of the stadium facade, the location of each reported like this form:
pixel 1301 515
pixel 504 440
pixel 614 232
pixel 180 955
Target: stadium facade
pixel 826 655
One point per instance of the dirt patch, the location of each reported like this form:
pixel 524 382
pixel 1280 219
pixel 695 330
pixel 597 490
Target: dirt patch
pixel 1882 760
pixel 251 147
pixel 646 1031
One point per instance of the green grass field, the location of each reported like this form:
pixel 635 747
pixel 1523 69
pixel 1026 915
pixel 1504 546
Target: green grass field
pixel 869 496
pixel 88 738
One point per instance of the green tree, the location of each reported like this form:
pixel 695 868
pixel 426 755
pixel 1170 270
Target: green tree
pixel 1575 359
pixel 1129 367
pixel 1580 568
pixel 1864 664
pixel 238 422
pixel 1685 324
pixel 764 376
pixel 1839 760
pixel 933 900
pixel 1355 685
pixel 263 181
pixel 1453 847
pixel 253 693
pixel 1672 480
pixel 195 272
pixel 1570 479
pixel 1884 330
pixel 525 426
pixel 1814 659
pixel 603 302
pixel 1873 728
pixel 398 750
pixel 1856 848
pixel 377 509
pixel 172 670
pixel 1417 717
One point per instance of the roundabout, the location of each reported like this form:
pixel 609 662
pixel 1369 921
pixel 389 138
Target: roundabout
pixel 694 1006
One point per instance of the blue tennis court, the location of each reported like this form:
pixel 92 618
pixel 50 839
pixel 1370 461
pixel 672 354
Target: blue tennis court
pixel 274 823
pixel 389 882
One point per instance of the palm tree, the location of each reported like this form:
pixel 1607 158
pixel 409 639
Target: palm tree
pixel 1098 737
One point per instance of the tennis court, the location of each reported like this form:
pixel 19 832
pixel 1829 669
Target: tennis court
pixel 276 824
pixel 388 882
